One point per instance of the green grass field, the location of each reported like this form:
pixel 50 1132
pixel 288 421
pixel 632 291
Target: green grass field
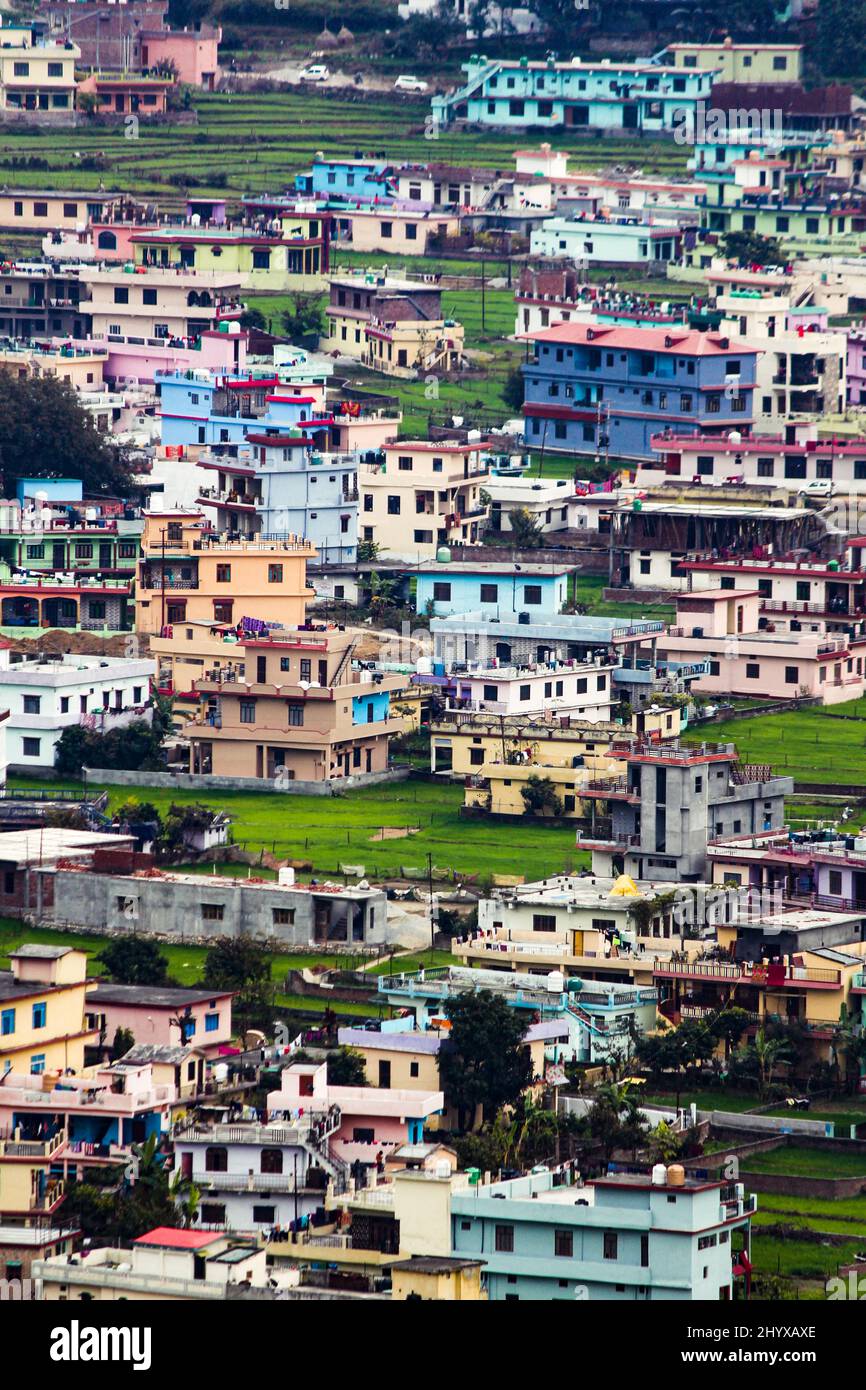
pixel 806 744
pixel 330 831
pixel 256 141
pixel 800 1259
pixel 808 1163
pixel 715 1099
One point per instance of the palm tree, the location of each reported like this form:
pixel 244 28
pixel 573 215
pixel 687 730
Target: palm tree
pixel 770 1053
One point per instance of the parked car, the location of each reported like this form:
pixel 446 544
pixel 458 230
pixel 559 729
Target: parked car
pixel 409 84
pixel 818 487
pixel 316 72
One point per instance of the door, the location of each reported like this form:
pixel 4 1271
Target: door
pixel 58 555
pixel 385 1075
pixel 104 556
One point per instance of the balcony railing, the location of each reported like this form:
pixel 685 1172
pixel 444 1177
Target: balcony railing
pixel 769 976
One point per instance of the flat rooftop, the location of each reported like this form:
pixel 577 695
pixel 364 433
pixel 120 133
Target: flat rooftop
pixel 49 843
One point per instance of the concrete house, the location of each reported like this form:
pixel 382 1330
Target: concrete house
pixel 592 389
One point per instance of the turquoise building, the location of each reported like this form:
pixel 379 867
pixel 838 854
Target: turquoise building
pixel 629 1237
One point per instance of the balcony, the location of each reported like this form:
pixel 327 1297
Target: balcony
pixel 764 976
pixel 156 582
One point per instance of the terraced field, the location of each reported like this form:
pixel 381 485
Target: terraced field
pixel 255 142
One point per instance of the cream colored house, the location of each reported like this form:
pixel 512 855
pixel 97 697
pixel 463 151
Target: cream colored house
pixel 36 74
pixel 741 62
pixel 423 495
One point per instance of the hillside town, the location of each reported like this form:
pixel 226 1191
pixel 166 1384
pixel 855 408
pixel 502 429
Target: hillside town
pixel 432 655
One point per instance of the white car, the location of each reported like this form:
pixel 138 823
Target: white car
pixel 410 84
pixel 818 487
pixel 317 72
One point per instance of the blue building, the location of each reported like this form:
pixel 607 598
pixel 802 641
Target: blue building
pixel 495 591
pixel 592 389
pixel 599 95
pixel 627 1237
pixel 266 469
pixel 365 179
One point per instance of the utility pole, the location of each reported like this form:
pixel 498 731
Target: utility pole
pixel 430 893
pixel 162 578
pixel 482 294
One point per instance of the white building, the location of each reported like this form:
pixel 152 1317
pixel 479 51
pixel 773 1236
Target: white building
pixel 551 502
pixel 254 1177
pixel 599 242
pixel 44 697
pixel 557 687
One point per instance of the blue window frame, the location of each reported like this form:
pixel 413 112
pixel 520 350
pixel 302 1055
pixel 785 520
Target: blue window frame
pixel 211 1023
pixel 39 1015
pixel 7 1022
pixel 37 1064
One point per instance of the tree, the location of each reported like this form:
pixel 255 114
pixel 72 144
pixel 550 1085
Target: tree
pixel 514 390
pixel 526 532
pixel 840 38
pixel 750 248
pixel 540 797
pixel 244 966
pixel 485 1061
pixel 45 432
pixel 346 1068
pixel 136 747
pixel 664 1143
pixel 729 1025
pixel 770 1054
pixel 134 960
pixel 305 317
pixel 123 1041
pixel 614 1121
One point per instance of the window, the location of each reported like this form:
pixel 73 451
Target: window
pixel 834 883
pixel 706 1242
pixel 9 881
pixel 393 505
pixel 765 468
pixel 216 1160
pixel 611 1242
pixel 7 1022
pixel 121 294
pixel 263 1216
pixel 275 574
pixel 563 1244
pixel 212 912
pixel 489 593
pixel 532 593
pixel 644 1250
pixel 148 297
pixel 32 704
pixel 35 552
pixel 504 1239
pixel 39 1015
pixel 363 1136
pixel 283 916
pixel 442 593
pixel 404 463
pixel 476 757
pixel 543 921
pixel 223 574
pixel 491 692
pixel 296 716
pixel 753 670
pixel 23 70
pixel 792 675
pixel 84 551
pixel 414 1069
pixel 37 1064
pixel 524 693
pixel 213 1214
pixel 248 711
pixel 30 747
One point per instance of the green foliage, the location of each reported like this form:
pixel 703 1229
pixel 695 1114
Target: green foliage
pixel 750 248
pixel 346 1068
pixel 840 38
pixel 513 392
pixel 526 532
pixel 123 1041
pixel 134 960
pixel 46 433
pixel 614 1121
pixel 244 966
pixel 305 317
pixel 136 747
pixel 485 1062
pixel 540 797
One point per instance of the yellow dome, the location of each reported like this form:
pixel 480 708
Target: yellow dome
pixel 625 887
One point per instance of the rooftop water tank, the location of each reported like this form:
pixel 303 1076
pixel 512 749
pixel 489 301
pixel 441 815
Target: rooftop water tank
pixel 443 555
pixel 554 983
pixel 659 1175
pixel 286 878
pixel 676 1175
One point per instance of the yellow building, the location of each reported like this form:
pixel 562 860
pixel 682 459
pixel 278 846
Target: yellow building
pixel 42 1007
pixel 741 62
pixel 289 253
pixel 498 787
pixel 463 744
pixel 81 368
pixel 425 494
pixel 36 74
pixel 187 572
pixel 441 1278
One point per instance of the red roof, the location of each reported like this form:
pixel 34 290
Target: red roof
pixel 690 342
pixel 172 1238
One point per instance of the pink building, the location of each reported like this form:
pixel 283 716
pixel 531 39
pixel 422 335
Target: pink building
pixel 194 52
pixel 156 1015
pixel 723 628
pixel 373 1121
pixel 135 359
